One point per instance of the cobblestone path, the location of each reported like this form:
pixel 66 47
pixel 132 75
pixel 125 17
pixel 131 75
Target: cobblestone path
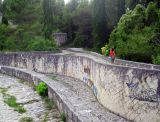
pixel 26 97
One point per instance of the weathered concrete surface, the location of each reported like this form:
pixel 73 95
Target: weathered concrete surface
pixel 131 92
pixel 78 107
pixel 27 97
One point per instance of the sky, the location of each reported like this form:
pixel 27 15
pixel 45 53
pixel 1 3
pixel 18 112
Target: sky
pixel 66 1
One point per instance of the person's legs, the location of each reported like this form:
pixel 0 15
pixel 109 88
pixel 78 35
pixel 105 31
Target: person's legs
pixel 112 59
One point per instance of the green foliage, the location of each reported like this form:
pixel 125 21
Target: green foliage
pixel 82 21
pixel 3 90
pixel 41 44
pixel 11 101
pixel 152 13
pixel 99 23
pixel 42 89
pixel 134 35
pixel 49 104
pixel 79 41
pixel 48 18
pixel 63 117
pixel 156 60
pixel 119 9
pixel 12 7
pixel 105 50
pixel 26 119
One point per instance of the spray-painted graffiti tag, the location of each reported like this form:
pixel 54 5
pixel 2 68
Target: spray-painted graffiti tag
pixel 141 88
pixel 88 81
pixel 142 94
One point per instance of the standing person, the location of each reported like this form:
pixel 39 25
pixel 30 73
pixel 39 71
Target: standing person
pixel 112 55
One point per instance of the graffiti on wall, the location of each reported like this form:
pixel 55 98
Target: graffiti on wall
pixel 88 81
pixel 140 90
pixel 142 94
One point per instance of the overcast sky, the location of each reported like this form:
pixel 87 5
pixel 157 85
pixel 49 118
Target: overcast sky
pixel 66 1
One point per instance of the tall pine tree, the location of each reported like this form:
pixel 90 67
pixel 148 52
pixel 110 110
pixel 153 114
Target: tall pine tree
pixel 48 18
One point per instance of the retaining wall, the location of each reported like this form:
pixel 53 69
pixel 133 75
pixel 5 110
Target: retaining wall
pixel 130 92
pixel 65 101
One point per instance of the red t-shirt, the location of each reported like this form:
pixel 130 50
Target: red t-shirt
pixel 112 53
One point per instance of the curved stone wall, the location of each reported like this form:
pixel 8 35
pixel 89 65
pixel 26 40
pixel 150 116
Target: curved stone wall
pixel 130 92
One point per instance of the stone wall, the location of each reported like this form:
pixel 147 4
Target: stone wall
pixel 130 92
pixel 118 61
pixel 60 38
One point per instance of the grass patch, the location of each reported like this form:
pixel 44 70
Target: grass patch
pixel 63 117
pixel 26 119
pixel 11 101
pixel 45 117
pixel 49 104
pixel 54 78
pixel 3 90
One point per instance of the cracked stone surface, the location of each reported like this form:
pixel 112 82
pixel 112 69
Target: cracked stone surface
pixel 27 97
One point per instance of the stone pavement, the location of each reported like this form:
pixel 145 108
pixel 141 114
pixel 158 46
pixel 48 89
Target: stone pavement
pixel 27 97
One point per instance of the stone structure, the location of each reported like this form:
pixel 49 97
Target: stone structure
pixel 60 38
pixel 75 107
pixel 131 92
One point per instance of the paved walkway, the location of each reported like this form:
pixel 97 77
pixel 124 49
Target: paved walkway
pixel 28 98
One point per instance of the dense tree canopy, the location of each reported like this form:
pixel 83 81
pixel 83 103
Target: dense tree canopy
pixel 137 34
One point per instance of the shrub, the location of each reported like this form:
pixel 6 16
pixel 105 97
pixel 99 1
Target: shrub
pixel 26 119
pixel 42 89
pixel 79 41
pixel 156 60
pixel 41 44
pixel 49 104
pixel 105 50
pixel 63 117
pixel 134 37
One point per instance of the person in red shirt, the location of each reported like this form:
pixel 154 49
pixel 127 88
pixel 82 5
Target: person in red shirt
pixel 112 55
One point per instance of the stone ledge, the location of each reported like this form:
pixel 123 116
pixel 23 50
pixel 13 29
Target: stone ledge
pixel 117 61
pixel 66 101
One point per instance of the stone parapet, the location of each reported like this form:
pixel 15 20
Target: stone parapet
pixel 131 92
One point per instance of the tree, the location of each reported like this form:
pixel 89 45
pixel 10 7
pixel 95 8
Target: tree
pixel 82 20
pixel 12 8
pixel 114 10
pixel 48 18
pixel 100 32
pixel 137 35
pixel 72 5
